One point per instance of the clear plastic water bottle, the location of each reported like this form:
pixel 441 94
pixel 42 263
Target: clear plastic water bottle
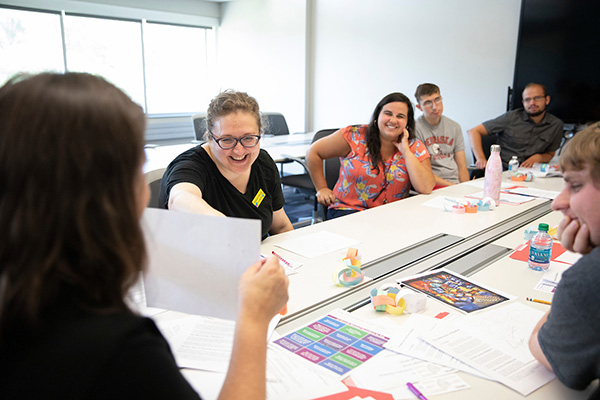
pixel 493 175
pixel 513 167
pixel 540 249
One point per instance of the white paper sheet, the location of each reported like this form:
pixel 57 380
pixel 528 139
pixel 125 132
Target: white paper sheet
pixel 203 343
pixel 195 261
pixel 390 371
pixel 407 340
pixel 317 244
pixel 506 198
pixel 527 191
pixel 493 343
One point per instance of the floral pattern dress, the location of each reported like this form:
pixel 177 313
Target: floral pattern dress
pixel 359 187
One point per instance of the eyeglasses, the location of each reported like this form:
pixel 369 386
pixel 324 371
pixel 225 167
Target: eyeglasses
pixel 227 143
pixel 429 103
pixel 530 99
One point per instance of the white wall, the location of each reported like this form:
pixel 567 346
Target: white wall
pixel 366 49
pixel 261 48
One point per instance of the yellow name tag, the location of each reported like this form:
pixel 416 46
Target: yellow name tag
pixel 258 198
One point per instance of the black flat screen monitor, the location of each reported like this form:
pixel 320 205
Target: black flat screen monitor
pixel 558 46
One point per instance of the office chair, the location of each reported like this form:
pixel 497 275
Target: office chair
pixel 303 182
pixel 153 179
pixel 199 121
pixel 486 143
pixel 275 124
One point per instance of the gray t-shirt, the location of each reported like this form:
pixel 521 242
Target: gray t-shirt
pixel 442 141
pixel 519 136
pixel 570 338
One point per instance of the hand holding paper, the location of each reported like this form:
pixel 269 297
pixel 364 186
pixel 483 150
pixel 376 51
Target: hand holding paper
pixel 263 289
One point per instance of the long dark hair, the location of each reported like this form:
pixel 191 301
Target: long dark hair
pixel 373 139
pixel 71 149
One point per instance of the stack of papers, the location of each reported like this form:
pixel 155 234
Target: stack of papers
pixel 494 343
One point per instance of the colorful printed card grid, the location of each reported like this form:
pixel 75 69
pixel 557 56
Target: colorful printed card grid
pixel 333 344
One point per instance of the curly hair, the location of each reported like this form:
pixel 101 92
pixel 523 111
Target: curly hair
pixel 229 102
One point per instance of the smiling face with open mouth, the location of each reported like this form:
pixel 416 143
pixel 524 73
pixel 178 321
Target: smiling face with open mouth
pixel 239 159
pixel 392 120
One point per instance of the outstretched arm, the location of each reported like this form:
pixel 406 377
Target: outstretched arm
pixel 188 197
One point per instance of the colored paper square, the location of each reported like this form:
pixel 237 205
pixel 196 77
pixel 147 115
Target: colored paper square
pixel 332 343
pixel 355 353
pixel 322 328
pixel 367 347
pixel 322 349
pixel 375 340
pixel 311 334
pixel 353 331
pixel 310 356
pixel 334 366
pixel 299 339
pixel 345 360
pixel 332 322
pixel 286 344
pixel 342 337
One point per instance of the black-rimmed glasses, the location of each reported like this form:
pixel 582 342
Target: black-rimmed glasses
pixel 227 143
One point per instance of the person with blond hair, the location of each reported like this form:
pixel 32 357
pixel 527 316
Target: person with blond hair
pixel 566 339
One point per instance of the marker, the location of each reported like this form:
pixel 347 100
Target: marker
pixel 281 259
pixel 415 391
pixel 538 301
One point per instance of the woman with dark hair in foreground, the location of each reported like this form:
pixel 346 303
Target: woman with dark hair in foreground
pixel 72 192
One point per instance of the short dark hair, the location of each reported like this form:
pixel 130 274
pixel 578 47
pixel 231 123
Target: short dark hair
pixel 426 89
pixel 373 140
pixel 71 149
pixel 531 84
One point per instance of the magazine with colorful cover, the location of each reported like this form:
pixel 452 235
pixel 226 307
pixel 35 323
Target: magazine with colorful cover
pixel 455 290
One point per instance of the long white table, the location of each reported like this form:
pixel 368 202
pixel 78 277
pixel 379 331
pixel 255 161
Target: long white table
pixel 407 237
pixel 407 228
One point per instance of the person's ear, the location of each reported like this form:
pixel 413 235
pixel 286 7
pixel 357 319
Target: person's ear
pixel 547 100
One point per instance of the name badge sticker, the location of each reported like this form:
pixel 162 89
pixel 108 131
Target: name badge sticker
pixel 260 195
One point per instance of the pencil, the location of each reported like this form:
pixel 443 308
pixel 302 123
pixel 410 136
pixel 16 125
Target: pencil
pixel 538 301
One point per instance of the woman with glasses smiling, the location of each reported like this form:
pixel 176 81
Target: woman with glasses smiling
pixel 228 175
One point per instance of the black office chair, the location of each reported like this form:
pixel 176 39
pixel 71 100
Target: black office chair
pixel 275 124
pixel 153 179
pixel 199 121
pixel 303 182
pixel 486 143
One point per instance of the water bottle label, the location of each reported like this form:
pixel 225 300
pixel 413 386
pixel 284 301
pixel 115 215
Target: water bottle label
pixel 541 256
